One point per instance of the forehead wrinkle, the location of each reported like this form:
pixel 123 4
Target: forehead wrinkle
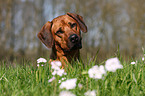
pixel 62 24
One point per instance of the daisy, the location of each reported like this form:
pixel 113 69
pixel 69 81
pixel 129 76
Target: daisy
pixel 96 72
pixel 65 73
pixel 69 84
pixel 80 85
pixel 54 72
pixel 66 93
pixel 113 64
pixel 37 65
pixel 59 81
pixel 56 65
pixel 41 60
pixel 50 80
pixel 60 72
pixel 132 63
pixel 142 58
pixel 63 78
pixel 90 93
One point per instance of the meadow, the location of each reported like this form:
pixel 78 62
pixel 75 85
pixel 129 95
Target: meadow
pixel 31 79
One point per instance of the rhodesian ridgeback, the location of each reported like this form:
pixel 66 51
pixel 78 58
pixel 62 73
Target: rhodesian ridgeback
pixel 63 35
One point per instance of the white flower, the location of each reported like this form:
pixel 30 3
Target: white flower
pixel 113 64
pixel 66 93
pixel 96 72
pixel 80 85
pixel 68 84
pixel 102 70
pixel 41 60
pixel 60 72
pixel 90 93
pixel 56 65
pixel 59 81
pixel 50 80
pixel 132 63
pixel 65 73
pixel 63 78
pixel 37 65
pixel 54 72
pixel 142 58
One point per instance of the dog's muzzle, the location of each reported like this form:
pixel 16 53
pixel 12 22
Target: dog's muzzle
pixel 75 42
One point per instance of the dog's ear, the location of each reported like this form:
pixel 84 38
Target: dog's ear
pixel 80 21
pixel 45 35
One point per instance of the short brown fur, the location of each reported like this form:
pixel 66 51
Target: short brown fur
pixel 63 35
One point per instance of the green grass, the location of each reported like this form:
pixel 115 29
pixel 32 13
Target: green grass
pixel 28 80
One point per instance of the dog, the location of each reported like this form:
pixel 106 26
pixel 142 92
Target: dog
pixel 63 35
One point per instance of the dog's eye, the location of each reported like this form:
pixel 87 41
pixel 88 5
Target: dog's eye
pixel 59 32
pixel 73 25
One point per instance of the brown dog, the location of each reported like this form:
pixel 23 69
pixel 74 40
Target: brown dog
pixel 63 35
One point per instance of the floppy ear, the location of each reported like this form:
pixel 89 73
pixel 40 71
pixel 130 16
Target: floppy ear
pixel 45 35
pixel 80 20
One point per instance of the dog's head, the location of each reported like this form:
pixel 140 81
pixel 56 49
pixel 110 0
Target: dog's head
pixel 63 31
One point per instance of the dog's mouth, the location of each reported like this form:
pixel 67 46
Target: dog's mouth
pixel 76 46
pixel 73 47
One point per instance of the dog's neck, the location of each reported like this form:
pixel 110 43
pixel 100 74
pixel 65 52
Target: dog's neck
pixel 59 54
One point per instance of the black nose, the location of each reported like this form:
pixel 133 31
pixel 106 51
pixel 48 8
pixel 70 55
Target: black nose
pixel 74 38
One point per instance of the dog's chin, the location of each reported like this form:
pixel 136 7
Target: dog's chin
pixel 74 47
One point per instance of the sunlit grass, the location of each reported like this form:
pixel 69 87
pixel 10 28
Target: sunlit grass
pixel 31 80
